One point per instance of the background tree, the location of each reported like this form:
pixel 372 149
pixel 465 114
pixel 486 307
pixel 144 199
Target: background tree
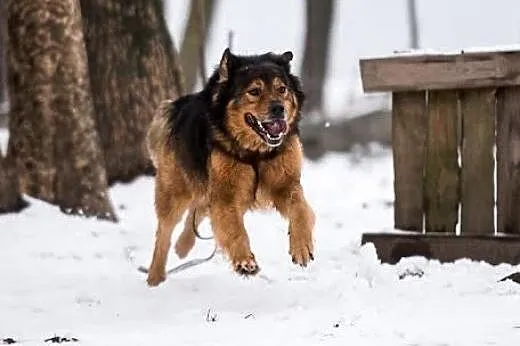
pixel 413 26
pixel 133 67
pixel 195 37
pixel 3 70
pixel 10 199
pixel 318 16
pixel 53 140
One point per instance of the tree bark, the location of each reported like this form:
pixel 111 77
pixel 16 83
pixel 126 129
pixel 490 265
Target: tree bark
pixel 195 37
pixel 133 68
pixel 319 16
pixel 10 198
pixel 3 70
pixel 53 139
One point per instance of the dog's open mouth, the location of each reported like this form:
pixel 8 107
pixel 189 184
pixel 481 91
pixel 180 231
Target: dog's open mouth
pixel 271 131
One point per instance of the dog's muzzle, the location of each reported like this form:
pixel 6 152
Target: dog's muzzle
pixel 272 131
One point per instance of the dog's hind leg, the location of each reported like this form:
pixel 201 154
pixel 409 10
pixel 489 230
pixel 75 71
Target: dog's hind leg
pixel 172 198
pixel 186 240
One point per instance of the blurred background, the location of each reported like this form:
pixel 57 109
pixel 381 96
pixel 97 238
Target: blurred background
pixel 331 36
pixel 327 38
pixel 131 55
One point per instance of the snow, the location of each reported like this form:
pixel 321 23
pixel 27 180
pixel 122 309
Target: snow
pixel 461 50
pixel 74 277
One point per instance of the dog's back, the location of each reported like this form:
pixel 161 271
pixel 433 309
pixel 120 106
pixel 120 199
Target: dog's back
pixel 158 130
pixel 182 127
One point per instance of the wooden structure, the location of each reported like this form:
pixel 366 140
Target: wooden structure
pixel 450 114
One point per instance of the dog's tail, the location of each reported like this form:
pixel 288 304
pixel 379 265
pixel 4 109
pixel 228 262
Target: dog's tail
pixel 159 130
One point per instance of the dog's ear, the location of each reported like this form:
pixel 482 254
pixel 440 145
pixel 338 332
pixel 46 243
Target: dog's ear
pixel 282 59
pixel 225 66
pixel 286 57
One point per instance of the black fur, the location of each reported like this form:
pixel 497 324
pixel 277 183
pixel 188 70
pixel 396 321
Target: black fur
pixel 194 119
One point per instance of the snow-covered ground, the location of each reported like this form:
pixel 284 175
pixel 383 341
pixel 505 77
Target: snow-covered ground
pixel 71 277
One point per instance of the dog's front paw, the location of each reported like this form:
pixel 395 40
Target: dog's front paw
pixel 155 278
pixel 301 249
pixel 246 265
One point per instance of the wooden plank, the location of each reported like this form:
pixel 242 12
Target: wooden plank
pixel 408 141
pixel 508 160
pixel 441 169
pixel 441 71
pixel 392 247
pixel 477 176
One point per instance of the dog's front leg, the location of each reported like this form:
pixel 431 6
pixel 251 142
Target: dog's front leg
pixel 228 226
pixel 291 203
pixel 231 196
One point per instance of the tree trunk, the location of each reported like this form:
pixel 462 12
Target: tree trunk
pixel 413 23
pixel 133 68
pixel 10 199
pixel 3 70
pixel 319 16
pixel 53 138
pixel 195 37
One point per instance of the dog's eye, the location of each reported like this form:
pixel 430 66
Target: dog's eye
pixel 254 92
pixel 281 90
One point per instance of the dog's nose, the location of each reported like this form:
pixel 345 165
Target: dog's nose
pixel 277 110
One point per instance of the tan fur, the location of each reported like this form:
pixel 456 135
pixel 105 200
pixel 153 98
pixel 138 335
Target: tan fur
pixel 186 240
pixel 158 131
pixel 231 190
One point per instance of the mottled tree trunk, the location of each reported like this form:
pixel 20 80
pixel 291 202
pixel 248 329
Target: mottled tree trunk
pixel 53 138
pixel 10 199
pixel 133 68
pixel 195 37
pixel 319 16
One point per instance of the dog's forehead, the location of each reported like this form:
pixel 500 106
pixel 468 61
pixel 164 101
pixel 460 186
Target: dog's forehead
pixel 267 72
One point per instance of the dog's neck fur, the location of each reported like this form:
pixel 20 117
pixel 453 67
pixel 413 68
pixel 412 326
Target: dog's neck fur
pixel 229 147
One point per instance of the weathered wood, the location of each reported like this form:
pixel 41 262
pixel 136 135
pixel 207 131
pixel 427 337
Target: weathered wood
pixel 508 160
pixel 392 247
pixel 408 139
pixel 477 176
pixel 442 170
pixel 441 71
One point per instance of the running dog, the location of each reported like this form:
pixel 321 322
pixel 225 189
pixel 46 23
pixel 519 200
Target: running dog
pixel 230 148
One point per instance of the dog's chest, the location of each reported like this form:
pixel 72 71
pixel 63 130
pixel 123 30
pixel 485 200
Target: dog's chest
pixel 261 198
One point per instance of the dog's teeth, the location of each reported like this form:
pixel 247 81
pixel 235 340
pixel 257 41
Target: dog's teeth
pixel 278 136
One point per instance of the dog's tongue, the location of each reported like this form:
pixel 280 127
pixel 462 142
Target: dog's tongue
pixel 275 127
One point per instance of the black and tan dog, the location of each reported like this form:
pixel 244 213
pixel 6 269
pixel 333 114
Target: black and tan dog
pixel 231 148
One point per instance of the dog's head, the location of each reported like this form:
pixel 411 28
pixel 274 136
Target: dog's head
pixel 259 98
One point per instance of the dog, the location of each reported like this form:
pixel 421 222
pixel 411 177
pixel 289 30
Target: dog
pixel 228 149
